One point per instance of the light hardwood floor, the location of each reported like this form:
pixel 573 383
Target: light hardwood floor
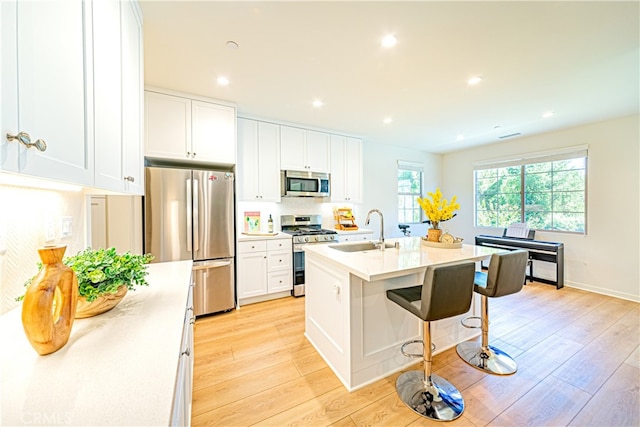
pixel 577 352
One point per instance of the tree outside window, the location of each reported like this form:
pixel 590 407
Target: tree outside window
pixel 547 195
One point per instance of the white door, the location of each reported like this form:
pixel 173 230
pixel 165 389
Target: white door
pixel 353 170
pixel 269 162
pixel 213 132
pixel 338 168
pixel 132 101
pixel 247 179
pixel 252 274
pixel 292 154
pixel 54 87
pixel 108 95
pixel 167 126
pixel 317 151
pixel 8 87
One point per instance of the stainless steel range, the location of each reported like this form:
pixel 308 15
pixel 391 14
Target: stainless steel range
pixel 306 230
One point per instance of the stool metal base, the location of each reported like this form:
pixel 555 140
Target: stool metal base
pixel 439 401
pixel 492 360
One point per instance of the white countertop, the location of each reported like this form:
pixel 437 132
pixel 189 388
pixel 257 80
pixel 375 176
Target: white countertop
pixel 118 368
pixel 251 237
pixel 411 257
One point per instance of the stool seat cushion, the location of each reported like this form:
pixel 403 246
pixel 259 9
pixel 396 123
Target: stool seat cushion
pixel 505 276
pixel 407 298
pixel 445 292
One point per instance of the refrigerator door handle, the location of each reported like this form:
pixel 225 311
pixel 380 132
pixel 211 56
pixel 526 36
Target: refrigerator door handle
pixel 216 264
pixel 189 212
pixel 196 211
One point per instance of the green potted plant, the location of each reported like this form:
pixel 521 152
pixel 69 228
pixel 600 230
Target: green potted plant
pixel 104 277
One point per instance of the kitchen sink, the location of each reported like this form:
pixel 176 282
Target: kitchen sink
pixel 359 247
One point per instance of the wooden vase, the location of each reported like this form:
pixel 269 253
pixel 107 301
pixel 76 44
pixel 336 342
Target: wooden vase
pixel 101 304
pixel 49 305
pixel 433 234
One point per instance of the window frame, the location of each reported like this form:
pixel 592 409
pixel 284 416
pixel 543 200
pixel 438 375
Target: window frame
pixel 521 162
pixel 413 167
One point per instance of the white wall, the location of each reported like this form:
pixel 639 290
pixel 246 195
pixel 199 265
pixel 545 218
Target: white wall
pixel 606 259
pixel 23 217
pixel 381 183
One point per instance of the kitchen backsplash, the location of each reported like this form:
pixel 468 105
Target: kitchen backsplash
pixel 26 217
pixel 294 206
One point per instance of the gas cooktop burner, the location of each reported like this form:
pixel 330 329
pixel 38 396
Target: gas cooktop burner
pixel 306 229
pixel 308 232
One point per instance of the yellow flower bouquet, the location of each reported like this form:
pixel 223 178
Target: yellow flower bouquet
pixel 437 208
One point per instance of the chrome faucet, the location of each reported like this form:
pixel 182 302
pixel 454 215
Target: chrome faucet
pixel 366 222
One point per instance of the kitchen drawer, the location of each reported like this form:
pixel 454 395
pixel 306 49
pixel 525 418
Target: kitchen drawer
pixel 280 281
pixel 252 246
pixel 280 260
pixel 279 245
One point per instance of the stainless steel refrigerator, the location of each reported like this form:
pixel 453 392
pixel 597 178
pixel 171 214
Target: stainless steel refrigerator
pixel 189 214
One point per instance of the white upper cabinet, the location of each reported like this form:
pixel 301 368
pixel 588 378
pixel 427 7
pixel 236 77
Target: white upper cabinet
pixel 72 81
pixel 213 136
pixel 119 164
pixel 181 128
pixel 132 100
pixel 258 177
pixel 47 89
pixel 167 125
pixel 304 150
pixel 346 169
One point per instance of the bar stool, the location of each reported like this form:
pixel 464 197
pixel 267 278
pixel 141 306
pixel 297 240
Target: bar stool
pixel 445 292
pixel 506 276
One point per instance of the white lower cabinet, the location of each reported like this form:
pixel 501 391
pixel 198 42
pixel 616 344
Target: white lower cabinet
pixel 355 236
pixel 181 411
pixel 264 268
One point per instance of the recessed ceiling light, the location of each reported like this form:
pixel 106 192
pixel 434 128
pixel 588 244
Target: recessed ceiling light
pixel 460 137
pixel 387 120
pixel 232 45
pixel 547 114
pixel 474 80
pixel 390 40
pixel 223 81
pixel 317 103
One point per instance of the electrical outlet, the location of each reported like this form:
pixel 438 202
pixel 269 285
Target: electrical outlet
pixel 49 230
pixel 66 226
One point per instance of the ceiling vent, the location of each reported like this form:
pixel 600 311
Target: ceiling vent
pixel 510 135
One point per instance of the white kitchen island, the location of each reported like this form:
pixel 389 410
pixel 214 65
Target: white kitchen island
pixel 349 320
pixel 119 368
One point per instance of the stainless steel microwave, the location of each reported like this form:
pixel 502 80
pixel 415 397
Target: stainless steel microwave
pixel 304 184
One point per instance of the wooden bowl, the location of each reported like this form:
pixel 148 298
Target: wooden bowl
pixel 99 305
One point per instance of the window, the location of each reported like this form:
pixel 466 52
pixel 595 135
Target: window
pixel 409 189
pixel 545 190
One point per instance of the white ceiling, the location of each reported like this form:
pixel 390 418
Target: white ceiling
pixel 577 59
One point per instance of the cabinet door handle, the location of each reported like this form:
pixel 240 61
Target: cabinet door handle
pixel 24 139
pixel 129 178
